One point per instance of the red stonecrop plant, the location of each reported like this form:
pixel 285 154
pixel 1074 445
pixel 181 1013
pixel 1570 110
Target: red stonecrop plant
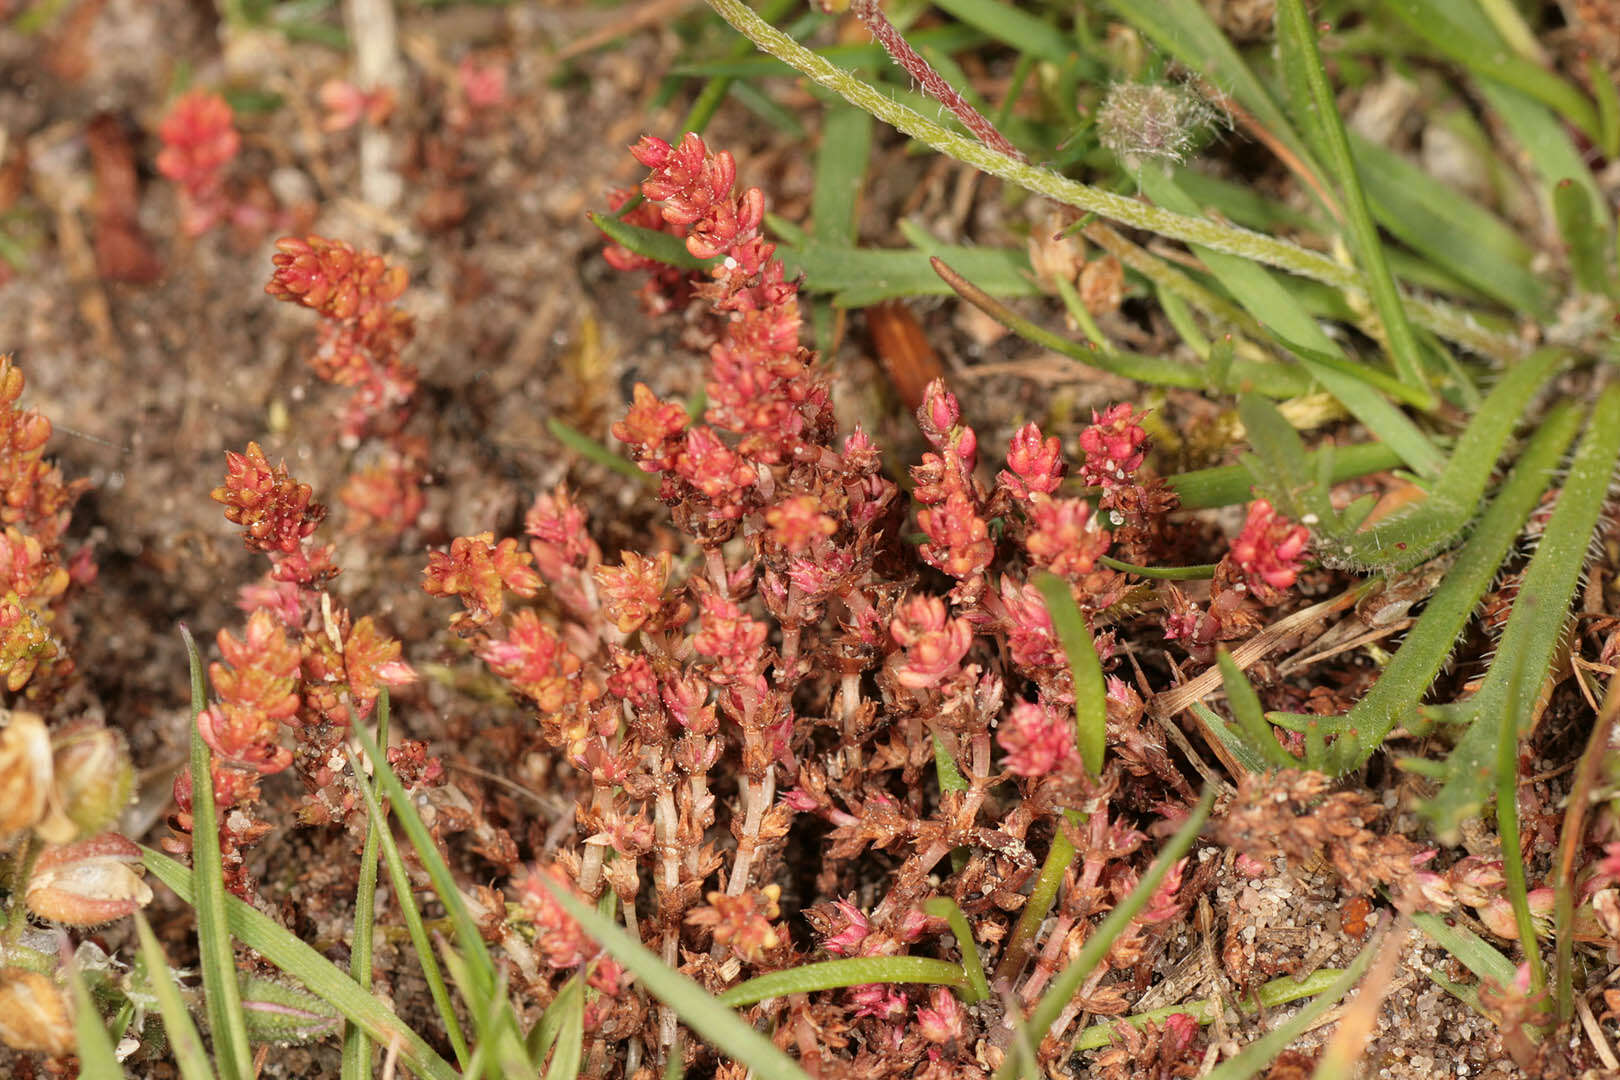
pixel 199 142
pixel 302 664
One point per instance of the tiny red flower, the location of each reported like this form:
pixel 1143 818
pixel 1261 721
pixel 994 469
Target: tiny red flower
pixel 731 637
pixel 934 643
pixel 558 938
pixel 371 659
pixel 1113 446
pixel 275 510
pixel 742 922
pixel 477 570
pixel 940 1021
pixel 633 592
pixel 332 278
pixel 534 661
pixel 1034 464
pixel 1064 536
pixel 650 429
pixel 1037 739
pixel 959 541
pixel 199 140
pixel 1270 550
pixel 797 522
pixel 694 187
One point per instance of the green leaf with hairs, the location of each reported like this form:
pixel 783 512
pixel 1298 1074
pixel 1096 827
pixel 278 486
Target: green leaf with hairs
pixel 1538 622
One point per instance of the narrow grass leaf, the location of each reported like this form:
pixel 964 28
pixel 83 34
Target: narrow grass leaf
pixel 943 907
pixel 479 963
pixel 1467 948
pixel 1251 717
pixel 1535 628
pixel 1090 690
pixel 1296 37
pixel 1257 1055
pixel 1270 995
pixel 588 448
pixel 1454 231
pixel 217 958
pixel 1449 28
pixel 1155 370
pixel 1041 898
pixel 1411 537
pixel 184 1040
pixel 567 1055
pixel 1588 245
pixel 1410 673
pixel 1547 143
pixel 356 1062
pixel 865 276
pixel 1069 980
pixel 650 243
pixel 1268 301
pixel 841 161
pixel 97 1060
pixel 1243 751
pixel 313 971
pixel 711 1019
pixel 543 1035
pixel 1228 485
pixel 846 971
pixel 405 893
pixel 1191 572
pixel 1028 35
pixel 1507 828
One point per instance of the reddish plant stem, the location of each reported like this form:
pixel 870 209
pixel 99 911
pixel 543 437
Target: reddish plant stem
pixel 932 82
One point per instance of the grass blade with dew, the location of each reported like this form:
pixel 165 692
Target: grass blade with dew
pixel 1257 1055
pixel 356 1063
pixel 92 1043
pixel 943 907
pixel 222 996
pixel 310 969
pixel 184 1041
pixel 846 971
pixel 1411 537
pixel 1068 981
pixel 724 1029
pixel 1534 630
pixel 1409 674
pixel 1324 130
pixel 1280 991
pixel 1090 689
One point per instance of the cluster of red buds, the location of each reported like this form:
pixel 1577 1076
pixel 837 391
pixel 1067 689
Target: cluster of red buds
pixel 199 142
pixel 303 664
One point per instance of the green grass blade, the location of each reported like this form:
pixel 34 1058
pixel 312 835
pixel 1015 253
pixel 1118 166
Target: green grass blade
pixel 1552 152
pixel 1026 34
pixel 543 1035
pixel 423 945
pixel 1090 690
pixel 566 1059
pixel 1069 980
pixel 1451 28
pixel 480 966
pixel 1041 898
pixel 841 162
pixel 1277 992
pixel 1251 717
pixel 313 971
pixel 846 971
pixel 1588 245
pixel 650 243
pixel 1607 95
pixel 1537 624
pixel 591 450
pixel 1296 37
pixel 943 907
pixel 865 276
pixel 356 1062
pixel 703 1014
pixel 1507 828
pixel 1243 751
pixel 184 1041
pixel 1467 948
pixel 1228 485
pixel 1267 300
pixel 1410 673
pixel 1409 538
pixel 97 1059
pixel 221 994
pixel 1456 233
pixel 1258 1054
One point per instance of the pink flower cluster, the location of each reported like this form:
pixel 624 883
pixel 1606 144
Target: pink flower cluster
pixel 1271 549
pixel 199 141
